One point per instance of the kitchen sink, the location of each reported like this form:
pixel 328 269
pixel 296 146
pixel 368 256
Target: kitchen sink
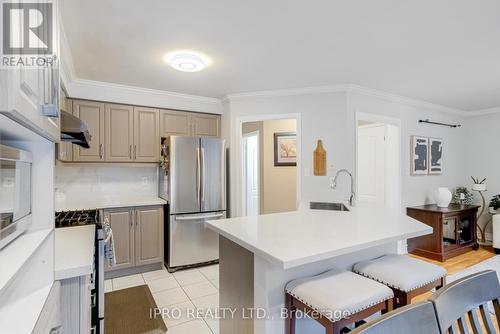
pixel 328 206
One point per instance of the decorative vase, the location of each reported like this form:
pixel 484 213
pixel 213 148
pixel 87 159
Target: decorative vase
pixel 442 196
pixel 479 187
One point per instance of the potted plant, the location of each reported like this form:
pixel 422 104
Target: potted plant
pixel 479 185
pixel 462 195
pixel 494 204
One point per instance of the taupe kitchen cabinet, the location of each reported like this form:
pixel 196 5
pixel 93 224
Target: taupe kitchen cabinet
pixel 181 123
pixel 175 123
pixel 146 135
pixel 65 149
pixel 119 132
pixel 138 236
pixel 93 114
pixel 206 125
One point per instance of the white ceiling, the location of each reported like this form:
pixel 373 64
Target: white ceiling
pixel 445 52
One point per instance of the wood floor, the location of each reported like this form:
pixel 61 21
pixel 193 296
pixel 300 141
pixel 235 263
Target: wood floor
pixel 458 263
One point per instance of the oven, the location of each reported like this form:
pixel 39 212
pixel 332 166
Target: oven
pixel 15 193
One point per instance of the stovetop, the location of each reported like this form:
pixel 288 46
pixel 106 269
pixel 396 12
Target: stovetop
pixel 76 218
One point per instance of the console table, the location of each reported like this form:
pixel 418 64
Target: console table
pixel 455 230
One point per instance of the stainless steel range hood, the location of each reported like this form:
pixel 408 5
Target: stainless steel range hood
pixel 74 130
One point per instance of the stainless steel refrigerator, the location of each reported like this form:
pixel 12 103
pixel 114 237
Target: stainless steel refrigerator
pixel 194 184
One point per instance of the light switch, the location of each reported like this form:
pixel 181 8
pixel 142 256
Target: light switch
pixel 144 181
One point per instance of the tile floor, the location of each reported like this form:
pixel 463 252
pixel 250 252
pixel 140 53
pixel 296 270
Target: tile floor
pixel 181 291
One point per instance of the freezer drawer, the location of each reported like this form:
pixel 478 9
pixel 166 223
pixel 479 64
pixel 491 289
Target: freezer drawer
pixel 190 241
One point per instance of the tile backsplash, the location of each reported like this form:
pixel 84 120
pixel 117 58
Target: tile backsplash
pixel 78 181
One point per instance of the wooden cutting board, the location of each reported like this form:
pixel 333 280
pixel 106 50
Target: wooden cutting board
pixel 319 159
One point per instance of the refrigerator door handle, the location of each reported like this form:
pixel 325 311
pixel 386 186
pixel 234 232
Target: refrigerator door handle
pixel 202 182
pixel 198 174
pixel 198 217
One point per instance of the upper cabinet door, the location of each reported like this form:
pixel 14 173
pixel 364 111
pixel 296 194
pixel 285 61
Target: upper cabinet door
pixel 146 135
pixel 65 148
pixel 93 114
pixel 174 123
pixel 205 125
pixel 119 120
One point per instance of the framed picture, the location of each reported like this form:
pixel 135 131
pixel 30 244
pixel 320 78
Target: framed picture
pixel 285 149
pixel 419 155
pixel 435 156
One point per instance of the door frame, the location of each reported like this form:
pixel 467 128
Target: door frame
pixel 244 170
pixel 237 208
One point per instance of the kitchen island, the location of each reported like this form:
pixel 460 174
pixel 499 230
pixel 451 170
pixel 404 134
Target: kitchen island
pixel 260 254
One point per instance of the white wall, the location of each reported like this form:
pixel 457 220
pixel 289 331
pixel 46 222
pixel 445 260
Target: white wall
pixel 330 116
pixel 482 138
pixel 78 181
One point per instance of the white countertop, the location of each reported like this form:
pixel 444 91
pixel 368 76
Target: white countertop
pixel 74 251
pixel 291 239
pixel 98 201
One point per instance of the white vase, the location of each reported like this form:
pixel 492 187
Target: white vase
pixel 479 187
pixel 443 197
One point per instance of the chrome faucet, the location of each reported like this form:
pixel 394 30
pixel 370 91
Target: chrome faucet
pixel 333 184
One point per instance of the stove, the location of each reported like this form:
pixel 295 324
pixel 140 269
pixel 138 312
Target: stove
pixel 76 218
pixel 81 218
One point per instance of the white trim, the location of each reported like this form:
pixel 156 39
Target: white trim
pixel 67 68
pixel 237 162
pixel 111 92
pixel 244 191
pixel 348 88
pixel 483 112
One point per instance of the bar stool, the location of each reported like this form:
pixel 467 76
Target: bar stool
pixel 335 299
pixel 406 276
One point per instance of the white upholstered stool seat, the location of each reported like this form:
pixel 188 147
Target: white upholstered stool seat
pixel 338 293
pixel 400 272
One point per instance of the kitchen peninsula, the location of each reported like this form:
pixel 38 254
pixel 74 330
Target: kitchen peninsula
pixel 260 254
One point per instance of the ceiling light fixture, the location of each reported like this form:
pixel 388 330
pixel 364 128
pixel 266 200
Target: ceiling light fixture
pixel 186 61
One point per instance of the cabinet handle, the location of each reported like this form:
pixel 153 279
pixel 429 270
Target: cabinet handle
pixel 136 219
pixel 130 151
pixel 100 151
pixel 131 219
pixel 135 152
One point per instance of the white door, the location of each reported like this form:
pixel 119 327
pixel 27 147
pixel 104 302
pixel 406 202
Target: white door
pixel 251 173
pixel 371 164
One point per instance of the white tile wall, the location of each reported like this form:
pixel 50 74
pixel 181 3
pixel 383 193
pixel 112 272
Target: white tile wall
pixel 73 181
pixel 181 291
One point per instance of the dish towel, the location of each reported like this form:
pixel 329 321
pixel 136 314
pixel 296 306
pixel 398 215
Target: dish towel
pixel 109 244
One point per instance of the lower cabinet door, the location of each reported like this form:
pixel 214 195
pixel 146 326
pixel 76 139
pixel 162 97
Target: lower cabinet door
pixel 148 235
pixel 122 224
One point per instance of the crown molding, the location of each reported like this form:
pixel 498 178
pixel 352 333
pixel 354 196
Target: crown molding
pixel 484 112
pixel 347 88
pixel 67 67
pixel 118 93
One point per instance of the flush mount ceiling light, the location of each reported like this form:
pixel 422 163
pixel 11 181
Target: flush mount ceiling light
pixel 186 61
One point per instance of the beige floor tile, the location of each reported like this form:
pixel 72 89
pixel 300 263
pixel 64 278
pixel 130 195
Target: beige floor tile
pixel 108 285
pixel 198 290
pixel 191 327
pixel 127 281
pixel 187 277
pixel 213 324
pixel 178 313
pixel 210 272
pixel 154 275
pixel 162 284
pixel 208 302
pixel 215 282
pixel 170 297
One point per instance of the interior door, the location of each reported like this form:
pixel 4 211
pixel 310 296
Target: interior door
pixel 213 174
pixel 190 241
pixel 185 174
pixel 371 164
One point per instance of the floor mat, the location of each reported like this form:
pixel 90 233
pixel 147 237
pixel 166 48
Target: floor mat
pixel 129 311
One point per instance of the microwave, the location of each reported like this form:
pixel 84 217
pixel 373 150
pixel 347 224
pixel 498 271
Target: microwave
pixel 15 193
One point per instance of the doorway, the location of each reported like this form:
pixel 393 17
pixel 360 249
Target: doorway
pixel 378 161
pixel 251 173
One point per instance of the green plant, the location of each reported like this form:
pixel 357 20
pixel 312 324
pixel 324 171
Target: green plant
pixel 476 180
pixel 495 202
pixel 468 197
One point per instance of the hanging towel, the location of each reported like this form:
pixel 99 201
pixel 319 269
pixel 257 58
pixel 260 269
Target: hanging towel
pixel 109 244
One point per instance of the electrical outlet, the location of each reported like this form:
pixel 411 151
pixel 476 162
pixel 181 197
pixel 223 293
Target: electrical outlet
pixel 144 180
pixel 8 182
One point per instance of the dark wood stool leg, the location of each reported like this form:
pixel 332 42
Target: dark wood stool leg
pixel 290 320
pixel 388 306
